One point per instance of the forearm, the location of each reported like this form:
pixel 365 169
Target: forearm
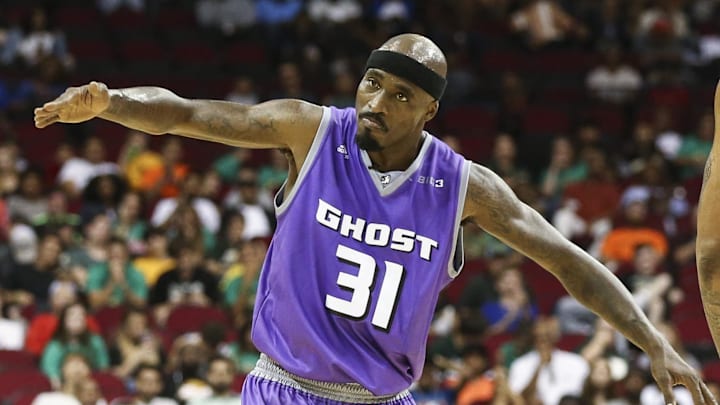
pixel 597 288
pixel 153 110
pixel 707 247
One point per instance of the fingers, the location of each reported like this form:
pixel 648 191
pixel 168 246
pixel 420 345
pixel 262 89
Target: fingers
pixel 709 399
pixel 96 88
pixel 42 122
pixel 697 395
pixel 665 386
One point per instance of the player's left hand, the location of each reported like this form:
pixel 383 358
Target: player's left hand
pixel 669 369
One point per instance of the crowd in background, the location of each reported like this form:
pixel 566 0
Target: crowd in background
pixel 129 263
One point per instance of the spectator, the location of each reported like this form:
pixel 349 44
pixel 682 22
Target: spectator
pixel 562 170
pixel 428 390
pixel 343 94
pixel 74 370
pixel 206 210
pixel 187 284
pixel 650 285
pixel 29 282
pixel 240 284
pixel 110 6
pixel 72 336
pixel 129 224
pixel 632 230
pixel 134 345
pixel 157 260
pixel 187 359
pixel 102 196
pixel 211 186
pixel 334 12
pixel 92 251
pixel 695 148
pixel 227 16
pixel 219 376
pixel 43 325
pixel 88 393
pixel 544 23
pixel 476 386
pixel 291 82
pixel 9 170
pixel 157 175
pixel 40 41
pixel 229 164
pixel 31 202
pixel 149 385
pixel 116 282
pixel 614 81
pixel 58 219
pixel 589 205
pixel 77 172
pixel 504 161
pixel 277 12
pixel 271 177
pixel 12 325
pixel 230 239
pixel 246 198
pixel 547 373
pixel 243 92
pixel 513 307
pixel 597 388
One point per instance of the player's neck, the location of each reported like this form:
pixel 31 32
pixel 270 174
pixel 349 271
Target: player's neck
pixel 397 157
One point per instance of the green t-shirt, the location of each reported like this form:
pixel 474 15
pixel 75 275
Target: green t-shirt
pixel 99 275
pixel 692 147
pixel 227 167
pixel 95 352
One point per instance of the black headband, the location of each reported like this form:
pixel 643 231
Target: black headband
pixel 409 69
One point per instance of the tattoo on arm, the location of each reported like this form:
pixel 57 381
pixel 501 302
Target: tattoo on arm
pixel 708 170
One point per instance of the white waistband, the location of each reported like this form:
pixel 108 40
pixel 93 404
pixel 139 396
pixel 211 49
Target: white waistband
pixel 352 393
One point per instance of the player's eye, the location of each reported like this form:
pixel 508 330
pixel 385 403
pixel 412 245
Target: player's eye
pixel 372 82
pixel 401 97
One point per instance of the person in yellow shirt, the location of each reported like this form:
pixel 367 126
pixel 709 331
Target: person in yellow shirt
pixel 156 260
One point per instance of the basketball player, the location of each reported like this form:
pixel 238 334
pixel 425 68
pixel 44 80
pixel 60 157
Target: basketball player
pixel 369 229
pixel 708 234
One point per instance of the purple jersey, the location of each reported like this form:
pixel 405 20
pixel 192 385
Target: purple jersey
pixel 350 282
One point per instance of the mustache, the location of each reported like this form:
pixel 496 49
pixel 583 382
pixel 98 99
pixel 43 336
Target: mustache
pixel 375 117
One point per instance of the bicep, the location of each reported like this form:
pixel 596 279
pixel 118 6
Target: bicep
pixel 272 124
pixel 493 206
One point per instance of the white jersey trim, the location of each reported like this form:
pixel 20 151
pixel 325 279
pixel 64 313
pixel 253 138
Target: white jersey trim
pixel 307 164
pixel 453 270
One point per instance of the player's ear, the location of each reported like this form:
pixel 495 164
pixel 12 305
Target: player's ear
pixel 432 110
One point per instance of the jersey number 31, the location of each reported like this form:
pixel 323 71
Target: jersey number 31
pixel 362 284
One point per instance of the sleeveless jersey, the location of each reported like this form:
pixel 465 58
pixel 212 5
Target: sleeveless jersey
pixel 352 276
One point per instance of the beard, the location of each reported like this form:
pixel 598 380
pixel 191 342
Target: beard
pixel 365 142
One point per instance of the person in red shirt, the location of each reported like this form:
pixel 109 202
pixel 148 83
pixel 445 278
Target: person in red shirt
pixel 42 326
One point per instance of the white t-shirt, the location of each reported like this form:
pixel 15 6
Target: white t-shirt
pixel 79 171
pixel 205 209
pixel 614 86
pixel 564 375
pixel 12 336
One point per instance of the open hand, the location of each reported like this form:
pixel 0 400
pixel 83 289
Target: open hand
pixel 669 369
pixel 76 104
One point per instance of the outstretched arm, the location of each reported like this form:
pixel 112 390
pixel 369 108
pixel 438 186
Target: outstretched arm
pixel 492 205
pixel 708 234
pixel 289 124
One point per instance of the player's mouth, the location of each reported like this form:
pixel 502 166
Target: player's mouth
pixel 372 123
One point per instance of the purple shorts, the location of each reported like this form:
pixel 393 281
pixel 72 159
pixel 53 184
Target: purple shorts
pixel 268 384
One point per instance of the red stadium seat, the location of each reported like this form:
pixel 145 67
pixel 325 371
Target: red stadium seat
pixel 545 286
pixel 24 398
pixel 571 342
pixel 711 372
pixel 111 386
pixel 465 120
pixel 13 382
pixel 611 120
pixel 244 53
pixel 109 319
pixel 185 319
pixel 238 382
pixel 502 61
pixel 546 121
pixel 14 359
pixel 494 343
pixel 694 331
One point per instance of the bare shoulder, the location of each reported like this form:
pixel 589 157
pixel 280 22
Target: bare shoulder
pixel 489 200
